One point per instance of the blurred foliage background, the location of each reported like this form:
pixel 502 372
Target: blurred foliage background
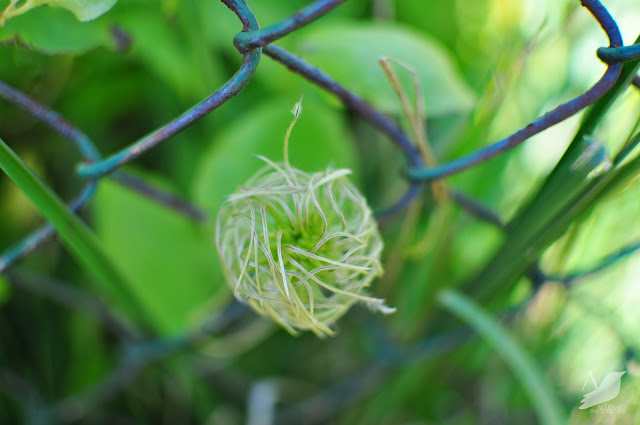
pixel 487 68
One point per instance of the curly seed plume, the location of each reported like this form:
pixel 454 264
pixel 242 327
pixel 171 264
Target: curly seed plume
pixel 299 247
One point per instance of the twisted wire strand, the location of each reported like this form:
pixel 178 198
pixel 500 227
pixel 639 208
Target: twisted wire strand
pixel 260 38
pixel 619 54
pixel 606 262
pixel 231 88
pixel 53 120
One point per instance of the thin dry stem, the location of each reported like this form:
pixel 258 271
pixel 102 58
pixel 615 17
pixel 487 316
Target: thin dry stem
pixel 416 117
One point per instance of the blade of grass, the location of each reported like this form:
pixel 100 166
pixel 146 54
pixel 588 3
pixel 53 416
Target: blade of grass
pixel 518 251
pixel 541 394
pixel 74 233
pixel 585 202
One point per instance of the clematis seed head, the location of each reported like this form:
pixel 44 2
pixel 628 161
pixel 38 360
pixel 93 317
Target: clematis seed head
pixel 300 247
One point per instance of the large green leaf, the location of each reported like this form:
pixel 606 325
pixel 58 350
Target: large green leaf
pixel 85 10
pixel 318 140
pixel 168 259
pixel 54 30
pixel 161 46
pixel 349 53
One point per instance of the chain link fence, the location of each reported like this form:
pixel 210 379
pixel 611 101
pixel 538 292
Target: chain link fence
pixel 140 349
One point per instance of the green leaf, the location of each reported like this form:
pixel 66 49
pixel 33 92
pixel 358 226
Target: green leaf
pixel 53 30
pixel 169 259
pixel 349 53
pixel 85 10
pixel 318 140
pixel 161 47
pixel 548 407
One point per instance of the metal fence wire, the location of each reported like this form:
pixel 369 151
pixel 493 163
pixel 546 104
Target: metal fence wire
pixel 139 348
